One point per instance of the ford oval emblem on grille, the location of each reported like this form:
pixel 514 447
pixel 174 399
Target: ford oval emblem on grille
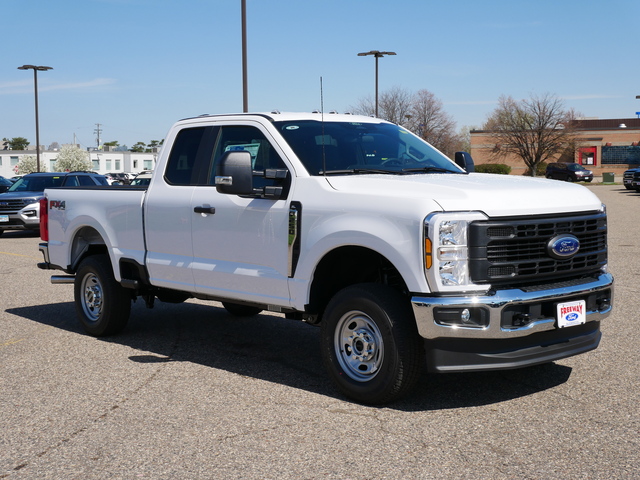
pixel 563 247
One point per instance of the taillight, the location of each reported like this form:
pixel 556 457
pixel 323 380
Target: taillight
pixel 44 220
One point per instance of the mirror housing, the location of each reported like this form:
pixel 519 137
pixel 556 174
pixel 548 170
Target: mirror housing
pixel 464 161
pixel 234 174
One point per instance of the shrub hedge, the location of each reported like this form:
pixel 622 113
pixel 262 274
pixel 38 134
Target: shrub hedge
pixel 499 168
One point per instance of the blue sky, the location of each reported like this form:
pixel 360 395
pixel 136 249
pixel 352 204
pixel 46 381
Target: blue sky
pixel 137 66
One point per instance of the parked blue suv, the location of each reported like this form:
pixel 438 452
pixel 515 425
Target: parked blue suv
pixel 19 206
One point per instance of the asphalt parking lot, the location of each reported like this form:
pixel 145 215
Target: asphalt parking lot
pixel 188 392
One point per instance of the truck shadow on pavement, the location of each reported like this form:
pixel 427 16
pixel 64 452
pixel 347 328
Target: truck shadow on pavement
pixel 271 348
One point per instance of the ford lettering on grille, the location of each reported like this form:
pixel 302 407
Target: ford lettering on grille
pixel 563 247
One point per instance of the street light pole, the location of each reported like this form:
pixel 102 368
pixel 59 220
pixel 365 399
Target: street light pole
pixel 36 69
pixel 245 89
pixel 377 54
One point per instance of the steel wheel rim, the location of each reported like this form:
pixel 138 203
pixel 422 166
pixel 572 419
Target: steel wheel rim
pixel 92 297
pixel 359 346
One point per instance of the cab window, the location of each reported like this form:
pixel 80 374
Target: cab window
pixel 263 156
pixel 191 153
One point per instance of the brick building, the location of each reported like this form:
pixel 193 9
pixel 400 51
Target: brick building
pixel 603 145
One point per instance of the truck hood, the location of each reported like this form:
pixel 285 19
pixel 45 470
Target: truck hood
pixel 19 195
pixel 495 195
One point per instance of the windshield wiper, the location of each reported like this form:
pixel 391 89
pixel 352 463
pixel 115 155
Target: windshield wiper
pixel 350 171
pixel 430 169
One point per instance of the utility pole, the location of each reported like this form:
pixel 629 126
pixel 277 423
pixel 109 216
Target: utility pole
pixel 98 131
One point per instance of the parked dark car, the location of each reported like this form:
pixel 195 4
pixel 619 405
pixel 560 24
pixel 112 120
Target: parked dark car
pixel 19 205
pixel 5 183
pixel 628 177
pixel 570 172
pixel 635 181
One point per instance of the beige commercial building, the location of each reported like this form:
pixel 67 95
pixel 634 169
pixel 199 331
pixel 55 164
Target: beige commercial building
pixel 603 146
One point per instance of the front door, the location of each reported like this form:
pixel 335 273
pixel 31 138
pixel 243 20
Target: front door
pixel 240 245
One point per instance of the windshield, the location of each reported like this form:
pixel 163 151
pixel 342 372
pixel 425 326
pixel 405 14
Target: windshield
pixel 36 183
pixel 141 181
pixel 575 167
pixel 354 147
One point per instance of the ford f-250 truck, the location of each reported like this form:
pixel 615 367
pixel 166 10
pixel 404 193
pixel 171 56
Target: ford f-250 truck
pixel 351 223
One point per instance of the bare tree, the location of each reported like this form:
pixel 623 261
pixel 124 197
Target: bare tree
pixel 536 130
pixel 421 112
pixel 393 105
pixel 429 120
pixel 365 106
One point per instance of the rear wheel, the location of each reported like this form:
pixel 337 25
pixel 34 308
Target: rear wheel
pixel 370 344
pixel 102 304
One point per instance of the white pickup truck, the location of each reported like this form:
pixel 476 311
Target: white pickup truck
pixel 404 258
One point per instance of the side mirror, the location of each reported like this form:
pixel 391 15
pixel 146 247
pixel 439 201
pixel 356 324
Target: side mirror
pixel 464 161
pixel 234 173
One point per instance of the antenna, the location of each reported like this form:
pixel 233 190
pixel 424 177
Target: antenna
pixel 324 158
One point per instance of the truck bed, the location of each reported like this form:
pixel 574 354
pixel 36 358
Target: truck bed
pixel 114 212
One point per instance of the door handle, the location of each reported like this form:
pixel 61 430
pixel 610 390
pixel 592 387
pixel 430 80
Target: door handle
pixel 210 210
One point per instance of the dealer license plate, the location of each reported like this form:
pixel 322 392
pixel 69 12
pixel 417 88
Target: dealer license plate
pixel 4 218
pixel 572 313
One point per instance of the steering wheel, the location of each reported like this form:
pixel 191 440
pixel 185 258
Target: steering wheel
pixel 391 162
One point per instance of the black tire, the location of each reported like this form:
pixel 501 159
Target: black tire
pixel 239 310
pixel 103 305
pixel 370 344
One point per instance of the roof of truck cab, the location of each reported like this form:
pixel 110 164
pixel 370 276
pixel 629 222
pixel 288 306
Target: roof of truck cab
pixel 298 116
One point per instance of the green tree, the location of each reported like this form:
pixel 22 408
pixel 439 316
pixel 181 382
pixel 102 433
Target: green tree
pixel 536 130
pixel 111 144
pixel 18 143
pixel 139 147
pixel 28 164
pixel 71 159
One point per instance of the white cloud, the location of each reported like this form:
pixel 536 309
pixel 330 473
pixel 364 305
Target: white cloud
pixel 26 86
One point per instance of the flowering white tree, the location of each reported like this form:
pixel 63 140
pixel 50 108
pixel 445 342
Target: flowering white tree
pixel 28 164
pixel 72 159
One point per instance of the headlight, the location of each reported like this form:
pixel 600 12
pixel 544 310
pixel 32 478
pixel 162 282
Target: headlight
pixel 446 243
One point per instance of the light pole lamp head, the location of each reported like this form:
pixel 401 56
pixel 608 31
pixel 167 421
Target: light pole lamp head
pixel 40 68
pixel 376 53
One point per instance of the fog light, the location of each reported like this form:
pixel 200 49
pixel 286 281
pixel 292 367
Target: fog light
pixel 461 317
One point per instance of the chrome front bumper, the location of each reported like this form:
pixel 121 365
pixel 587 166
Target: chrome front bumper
pixel 495 305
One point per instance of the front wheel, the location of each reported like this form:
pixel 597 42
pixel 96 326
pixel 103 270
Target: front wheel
pixel 102 304
pixel 370 344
